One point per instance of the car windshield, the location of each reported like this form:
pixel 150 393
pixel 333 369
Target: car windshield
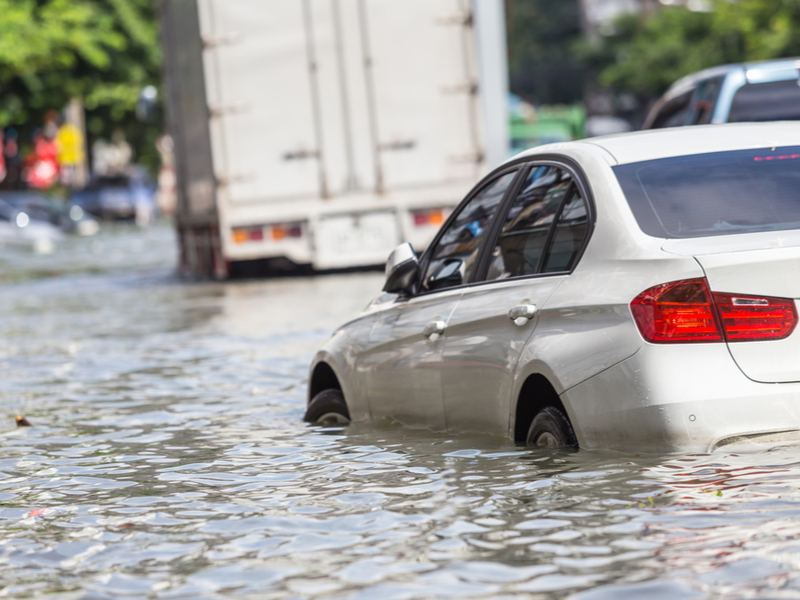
pixel 720 193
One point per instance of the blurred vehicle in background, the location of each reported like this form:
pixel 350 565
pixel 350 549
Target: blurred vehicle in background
pixel 17 228
pixel 119 197
pixel 759 91
pixel 532 126
pixel 40 207
pixel 324 134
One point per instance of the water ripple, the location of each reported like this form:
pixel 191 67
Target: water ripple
pixel 168 460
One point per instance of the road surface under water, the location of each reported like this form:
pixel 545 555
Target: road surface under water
pixel 167 459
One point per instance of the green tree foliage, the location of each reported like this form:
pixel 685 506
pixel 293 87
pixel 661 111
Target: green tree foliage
pixel 647 53
pixel 543 67
pixel 104 51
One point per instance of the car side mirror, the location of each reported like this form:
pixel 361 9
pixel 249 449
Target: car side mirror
pixel 450 274
pixel 402 270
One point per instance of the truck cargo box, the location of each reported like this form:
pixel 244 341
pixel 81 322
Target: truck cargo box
pixel 326 132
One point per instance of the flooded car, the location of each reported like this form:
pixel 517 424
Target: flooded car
pixel 122 197
pixel 17 228
pixel 632 292
pixel 40 207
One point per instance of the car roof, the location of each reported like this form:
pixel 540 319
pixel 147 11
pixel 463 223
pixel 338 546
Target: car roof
pixel 653 144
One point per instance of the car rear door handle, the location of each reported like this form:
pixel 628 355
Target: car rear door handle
pixel 522 314
pixel 434 328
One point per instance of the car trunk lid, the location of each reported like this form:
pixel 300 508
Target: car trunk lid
pixel 762 265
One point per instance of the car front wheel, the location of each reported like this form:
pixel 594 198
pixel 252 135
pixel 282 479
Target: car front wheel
pixel 328 408
pixel 551 429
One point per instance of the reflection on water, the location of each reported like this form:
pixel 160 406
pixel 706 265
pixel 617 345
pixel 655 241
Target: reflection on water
pixel 168 460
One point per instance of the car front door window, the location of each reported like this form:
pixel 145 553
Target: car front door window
pixel 455 256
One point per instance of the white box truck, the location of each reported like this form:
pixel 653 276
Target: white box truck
pixel 326 132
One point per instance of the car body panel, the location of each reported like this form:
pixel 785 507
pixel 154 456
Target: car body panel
pixel 733 243
pixel 342 353
pixel 766 272
pixel 765 264
pixel 580 333
pixel 482 348
pixel 695 405
pixel 401 370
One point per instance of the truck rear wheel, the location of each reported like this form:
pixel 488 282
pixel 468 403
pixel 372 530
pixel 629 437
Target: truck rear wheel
pixel 328 408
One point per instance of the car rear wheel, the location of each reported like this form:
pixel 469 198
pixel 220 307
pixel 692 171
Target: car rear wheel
pixel 328 408
pixel 551 429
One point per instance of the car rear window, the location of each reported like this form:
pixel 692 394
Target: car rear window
pixel 720 193
pixel 774 101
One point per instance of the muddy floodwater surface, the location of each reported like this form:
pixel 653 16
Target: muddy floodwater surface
pixel 168 459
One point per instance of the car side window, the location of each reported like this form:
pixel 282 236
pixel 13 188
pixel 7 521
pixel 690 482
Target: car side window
pixel 704 101
pixel 524 236
pixel 455 256
pixel 673 113
pixel 569 235
pixel 773 101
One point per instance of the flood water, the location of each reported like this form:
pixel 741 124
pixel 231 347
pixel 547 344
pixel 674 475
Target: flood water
pixel 167 459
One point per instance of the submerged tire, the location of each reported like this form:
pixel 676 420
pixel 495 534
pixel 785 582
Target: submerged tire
pixel 551 429
pixel 328 408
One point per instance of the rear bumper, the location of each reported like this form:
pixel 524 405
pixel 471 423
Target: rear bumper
pixel 690 398
pixel 332 241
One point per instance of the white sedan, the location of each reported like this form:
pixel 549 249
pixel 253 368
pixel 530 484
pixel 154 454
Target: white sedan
pixel 633 292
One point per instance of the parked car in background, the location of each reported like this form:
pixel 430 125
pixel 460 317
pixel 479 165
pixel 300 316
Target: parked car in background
pixel 40 207
pixel 17 228
pixel 123 197
pixel 633 292
pixel 759 91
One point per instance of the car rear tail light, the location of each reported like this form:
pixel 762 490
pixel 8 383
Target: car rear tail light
pixel 433 216
pixel 681 311
pixel 687 311
pixel 756 318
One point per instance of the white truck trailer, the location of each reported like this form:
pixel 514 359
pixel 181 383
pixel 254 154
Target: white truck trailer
pixel 326 132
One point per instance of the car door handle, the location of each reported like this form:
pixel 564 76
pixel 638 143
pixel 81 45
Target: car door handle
pixel 522 314
pixel 434 328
